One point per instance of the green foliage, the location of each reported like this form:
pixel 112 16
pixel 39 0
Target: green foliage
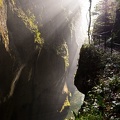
pixel 105 97
pixel 102 102
pixel 106 10
pixel 92 115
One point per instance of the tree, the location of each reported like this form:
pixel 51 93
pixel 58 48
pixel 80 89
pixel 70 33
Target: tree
pixel 89 33
pixel 106 18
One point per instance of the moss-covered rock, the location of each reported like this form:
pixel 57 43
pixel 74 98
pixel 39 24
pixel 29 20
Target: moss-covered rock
pixel 89 66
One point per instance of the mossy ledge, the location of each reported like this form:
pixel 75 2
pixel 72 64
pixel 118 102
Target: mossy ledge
pixel 29 21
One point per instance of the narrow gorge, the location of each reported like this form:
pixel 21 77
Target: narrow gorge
pixel 39 47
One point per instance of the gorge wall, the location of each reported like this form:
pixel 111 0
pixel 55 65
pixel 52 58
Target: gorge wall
pixel 38 45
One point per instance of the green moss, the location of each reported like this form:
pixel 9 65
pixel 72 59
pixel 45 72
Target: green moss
pixel 62 50
pixel 1 3
pixel 90 66
pixel 29 20
pixel 65 104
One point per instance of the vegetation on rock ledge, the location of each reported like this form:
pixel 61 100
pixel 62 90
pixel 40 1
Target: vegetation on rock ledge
pixel 102 101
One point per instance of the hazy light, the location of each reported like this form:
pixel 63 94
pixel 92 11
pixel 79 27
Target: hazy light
pixel 85 16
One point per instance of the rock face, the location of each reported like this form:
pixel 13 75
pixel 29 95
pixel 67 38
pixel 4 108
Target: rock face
pixel 89 67
pixel 117 26
pixel 35 55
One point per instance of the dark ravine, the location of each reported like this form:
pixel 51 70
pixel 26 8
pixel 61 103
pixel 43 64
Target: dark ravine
pixel 33 75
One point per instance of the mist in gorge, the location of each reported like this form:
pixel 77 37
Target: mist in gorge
pixel 40 45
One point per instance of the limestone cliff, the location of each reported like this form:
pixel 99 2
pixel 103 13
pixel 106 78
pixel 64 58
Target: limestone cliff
pixel 35 56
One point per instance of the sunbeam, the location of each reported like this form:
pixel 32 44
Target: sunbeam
pixel 44 38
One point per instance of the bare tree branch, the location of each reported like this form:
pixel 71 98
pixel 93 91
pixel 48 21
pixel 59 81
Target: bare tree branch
pixel 89 32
